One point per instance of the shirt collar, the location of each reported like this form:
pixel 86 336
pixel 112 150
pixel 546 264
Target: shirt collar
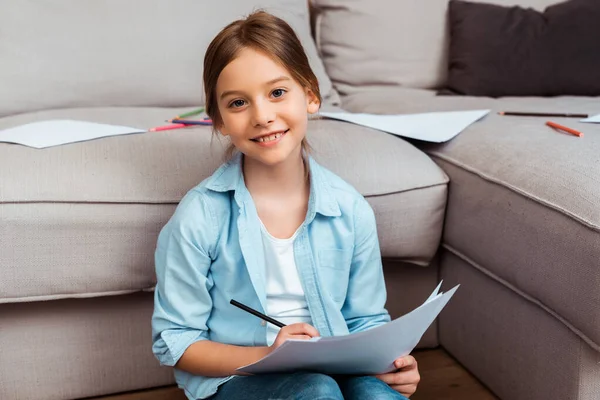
pixel 229 177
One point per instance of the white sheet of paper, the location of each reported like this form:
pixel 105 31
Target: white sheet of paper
pixel 593 119
pixel 435 293
pixel 368 352
pixel 61 131
pixel 435 127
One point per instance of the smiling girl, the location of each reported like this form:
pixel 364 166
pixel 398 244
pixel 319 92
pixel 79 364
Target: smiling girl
pixel 272 229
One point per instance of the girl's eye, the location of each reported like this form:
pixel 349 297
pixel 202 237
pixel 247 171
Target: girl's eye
pixel 237 103
pixel 278 92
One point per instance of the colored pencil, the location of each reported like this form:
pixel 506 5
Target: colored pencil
pixel 534 114
pixel 207 120
pixel 190 122
pixel 564 128
pixel 167 127
pixel 189 114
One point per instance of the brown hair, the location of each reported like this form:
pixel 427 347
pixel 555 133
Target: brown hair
pixel 262 32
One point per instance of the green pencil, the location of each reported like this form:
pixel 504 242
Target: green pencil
pixel 189 114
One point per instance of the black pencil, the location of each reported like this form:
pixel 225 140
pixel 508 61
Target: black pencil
pixel 535 114
pixel 258 314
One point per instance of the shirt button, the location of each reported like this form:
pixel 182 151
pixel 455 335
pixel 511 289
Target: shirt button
pixel 263 323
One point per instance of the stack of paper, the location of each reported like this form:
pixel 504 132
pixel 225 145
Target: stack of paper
pixel 369 352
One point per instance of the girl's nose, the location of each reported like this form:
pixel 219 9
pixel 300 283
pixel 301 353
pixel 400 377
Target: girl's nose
pixel 263 114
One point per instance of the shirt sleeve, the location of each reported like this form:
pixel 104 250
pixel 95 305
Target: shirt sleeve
pixel 364 307
pixel 182 303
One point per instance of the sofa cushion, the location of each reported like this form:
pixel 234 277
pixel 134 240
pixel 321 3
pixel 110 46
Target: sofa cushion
pixel 70 53
pixel 512 51
pixel 524 199
pixel 82 219
pixel 370 44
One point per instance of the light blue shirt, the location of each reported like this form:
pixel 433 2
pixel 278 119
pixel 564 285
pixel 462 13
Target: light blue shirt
pixel 210 251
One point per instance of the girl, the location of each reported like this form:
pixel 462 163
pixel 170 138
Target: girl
pixel 271 229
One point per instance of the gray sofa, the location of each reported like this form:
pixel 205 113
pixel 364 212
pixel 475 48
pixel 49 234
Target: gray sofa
pixel 508 209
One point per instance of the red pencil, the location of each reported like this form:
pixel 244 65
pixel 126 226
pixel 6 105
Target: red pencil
pixel 167 127
pixel 564 128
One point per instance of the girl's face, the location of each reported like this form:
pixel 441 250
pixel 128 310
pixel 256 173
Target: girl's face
pixel 263 109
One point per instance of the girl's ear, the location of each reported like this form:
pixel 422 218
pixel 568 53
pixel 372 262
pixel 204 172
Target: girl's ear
pixel 220 131
pixel 312 102
pixel 220 128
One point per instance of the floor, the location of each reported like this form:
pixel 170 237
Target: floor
pixel 442 378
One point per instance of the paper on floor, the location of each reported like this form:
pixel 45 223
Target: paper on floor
pixel 368 352
pixel 435 127
pixel 61 131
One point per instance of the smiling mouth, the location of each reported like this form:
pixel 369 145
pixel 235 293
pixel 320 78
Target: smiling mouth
pixel 269 138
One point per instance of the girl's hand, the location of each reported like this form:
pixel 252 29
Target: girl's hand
pixel 405 379
pixel 294 331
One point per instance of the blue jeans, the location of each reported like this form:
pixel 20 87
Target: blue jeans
pixel 305 386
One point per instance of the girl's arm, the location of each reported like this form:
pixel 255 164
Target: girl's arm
pixel 208 358
pixel 364 307
pixel 182 264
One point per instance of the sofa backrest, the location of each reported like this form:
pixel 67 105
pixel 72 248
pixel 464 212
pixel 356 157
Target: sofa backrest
pixel 368 44
pixel 73 53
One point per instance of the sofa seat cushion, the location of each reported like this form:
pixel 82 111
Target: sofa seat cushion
pixel 82 219
pixel 524 199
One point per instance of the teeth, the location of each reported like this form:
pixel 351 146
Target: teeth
pixel 269 138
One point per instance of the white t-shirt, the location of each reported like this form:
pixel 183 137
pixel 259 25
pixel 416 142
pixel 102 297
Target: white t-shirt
pixel 285 297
